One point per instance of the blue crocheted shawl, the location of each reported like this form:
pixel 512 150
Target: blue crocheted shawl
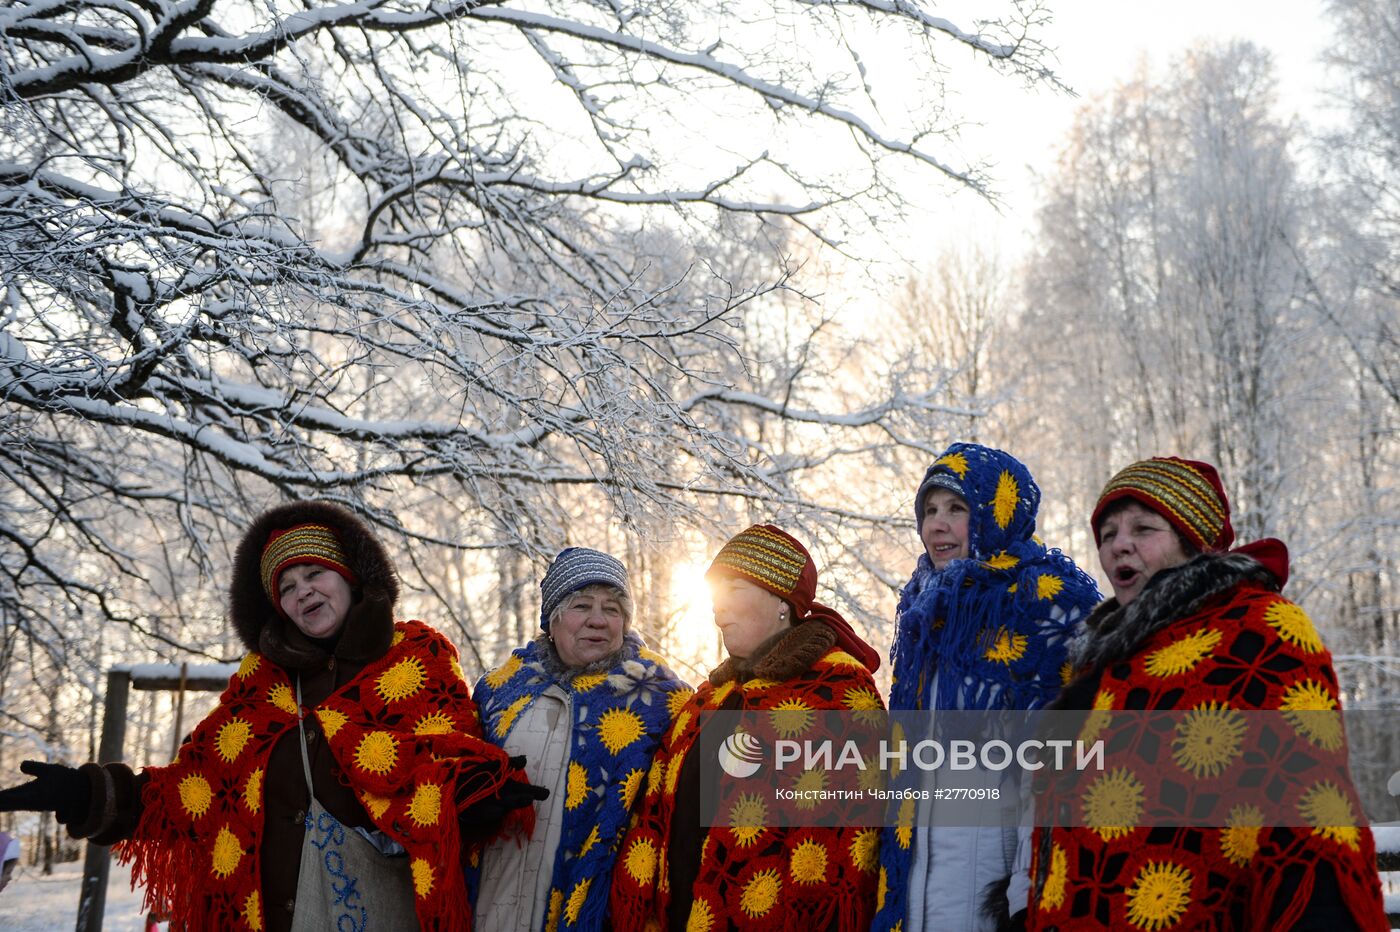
pixel 993 629
pixel 619 717
pixel 987 632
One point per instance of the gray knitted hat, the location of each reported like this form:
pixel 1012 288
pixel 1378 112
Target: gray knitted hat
pixel 575 568
pixel 937 477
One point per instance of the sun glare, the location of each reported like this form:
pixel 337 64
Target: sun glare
pixel 693 641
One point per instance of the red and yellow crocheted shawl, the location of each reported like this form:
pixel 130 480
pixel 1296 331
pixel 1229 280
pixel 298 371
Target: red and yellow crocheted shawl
pixel 405 733
pixel 752 876
pixel 1249 649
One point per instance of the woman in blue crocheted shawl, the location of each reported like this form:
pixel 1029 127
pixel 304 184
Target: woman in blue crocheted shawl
pixel 983 624
pixel 586 703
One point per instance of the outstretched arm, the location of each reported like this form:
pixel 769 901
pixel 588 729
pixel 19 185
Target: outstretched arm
pixel 55 788
pixel 99 802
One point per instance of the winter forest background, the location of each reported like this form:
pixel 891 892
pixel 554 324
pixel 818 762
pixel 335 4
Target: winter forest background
pixel 506 277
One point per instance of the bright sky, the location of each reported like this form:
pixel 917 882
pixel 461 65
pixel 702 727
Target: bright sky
pixel 1099 43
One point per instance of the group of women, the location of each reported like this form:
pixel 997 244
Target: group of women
pixel 350 779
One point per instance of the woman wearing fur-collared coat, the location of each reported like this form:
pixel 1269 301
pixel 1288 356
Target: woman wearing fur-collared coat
pixel 338 778
pixel 1195 628
pixel 786 652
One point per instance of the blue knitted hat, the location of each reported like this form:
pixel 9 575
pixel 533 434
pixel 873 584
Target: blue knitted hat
pixel 575 568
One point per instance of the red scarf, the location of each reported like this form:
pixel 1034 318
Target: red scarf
pixel 766 878
pixel 404 732
pixel 1247 649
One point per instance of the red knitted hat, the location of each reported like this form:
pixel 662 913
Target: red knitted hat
pixel 1187 493
pixel 771 559
pixel 304 543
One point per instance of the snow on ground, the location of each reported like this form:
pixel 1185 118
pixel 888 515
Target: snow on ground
pixel 1388 839
pixel 35 903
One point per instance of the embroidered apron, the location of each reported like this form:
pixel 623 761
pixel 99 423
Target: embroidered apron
pixel 349 880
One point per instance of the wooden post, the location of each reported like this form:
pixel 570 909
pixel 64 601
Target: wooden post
pixel 179 731
pixel 92 900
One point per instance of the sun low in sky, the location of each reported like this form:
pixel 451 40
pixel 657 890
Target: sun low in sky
pixel 694 643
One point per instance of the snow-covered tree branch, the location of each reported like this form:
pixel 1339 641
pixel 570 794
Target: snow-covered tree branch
pixel 456 263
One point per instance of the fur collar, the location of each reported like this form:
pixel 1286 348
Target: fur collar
pixel 369 627
pixel 1114 633
pixel 785 656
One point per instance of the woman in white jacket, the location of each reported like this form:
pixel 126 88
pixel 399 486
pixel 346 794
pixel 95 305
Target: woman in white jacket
pixel 983 625
pixel 586 704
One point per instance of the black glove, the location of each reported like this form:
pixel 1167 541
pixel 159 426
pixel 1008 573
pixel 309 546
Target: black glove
pixel 55 788
pixel 482 820
pixel 515 795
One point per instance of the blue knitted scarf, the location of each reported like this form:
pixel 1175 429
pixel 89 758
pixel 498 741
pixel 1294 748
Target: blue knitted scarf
pixel 620 715
pixel 987 632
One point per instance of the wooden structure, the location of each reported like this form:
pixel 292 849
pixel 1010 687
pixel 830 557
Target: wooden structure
pixel 121 679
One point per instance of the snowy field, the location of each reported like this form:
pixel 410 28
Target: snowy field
pixel 35 903
pixel 1388 839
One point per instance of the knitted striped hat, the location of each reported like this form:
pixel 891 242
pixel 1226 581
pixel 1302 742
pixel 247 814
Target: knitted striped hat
pixel 771 559
pixel 304 543
pixel 575 568
pixel 939 476
pixel 1187 493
